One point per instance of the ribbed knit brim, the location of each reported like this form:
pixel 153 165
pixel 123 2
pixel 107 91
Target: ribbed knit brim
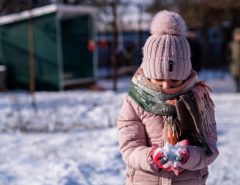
pixel 166 57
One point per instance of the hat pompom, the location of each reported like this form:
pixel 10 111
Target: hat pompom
pixel 166 22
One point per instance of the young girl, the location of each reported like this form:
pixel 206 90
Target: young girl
pixel 167 129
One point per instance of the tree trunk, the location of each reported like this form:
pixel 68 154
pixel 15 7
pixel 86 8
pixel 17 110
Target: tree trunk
pixel 114 45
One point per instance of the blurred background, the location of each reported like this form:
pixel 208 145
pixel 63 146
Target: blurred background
pixel 66 67
pixel 92 39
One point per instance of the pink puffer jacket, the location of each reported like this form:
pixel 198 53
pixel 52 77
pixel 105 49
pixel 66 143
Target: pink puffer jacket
pixel 138 130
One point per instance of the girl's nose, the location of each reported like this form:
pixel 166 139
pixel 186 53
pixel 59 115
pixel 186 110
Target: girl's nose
pixel 165 85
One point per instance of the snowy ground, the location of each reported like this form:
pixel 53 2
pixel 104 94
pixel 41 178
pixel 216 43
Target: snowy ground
pixel 65 144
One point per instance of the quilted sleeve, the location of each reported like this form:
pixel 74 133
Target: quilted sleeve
pixel 132 139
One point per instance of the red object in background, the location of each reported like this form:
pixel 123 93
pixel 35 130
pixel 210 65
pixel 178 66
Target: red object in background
pixel 91 45
pixel 103 44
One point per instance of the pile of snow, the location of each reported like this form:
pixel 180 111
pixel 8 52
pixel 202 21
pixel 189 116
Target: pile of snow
pixel 59 111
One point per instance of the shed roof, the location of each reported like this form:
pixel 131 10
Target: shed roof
pixel 63 11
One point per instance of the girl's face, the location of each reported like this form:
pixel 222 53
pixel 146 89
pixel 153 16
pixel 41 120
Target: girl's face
pixel 167 83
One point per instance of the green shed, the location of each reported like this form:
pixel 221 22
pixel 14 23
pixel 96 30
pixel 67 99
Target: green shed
pixel 61 49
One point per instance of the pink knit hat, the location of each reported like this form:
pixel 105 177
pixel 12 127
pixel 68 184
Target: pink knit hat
pixel 166 53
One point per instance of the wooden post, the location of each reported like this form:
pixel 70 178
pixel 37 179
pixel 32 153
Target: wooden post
pixel 114 45
pixel 31 58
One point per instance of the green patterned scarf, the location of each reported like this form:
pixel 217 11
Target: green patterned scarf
pixel 153 101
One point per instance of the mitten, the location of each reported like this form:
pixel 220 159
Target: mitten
pixel 160 158
pixel 170 157
pixel 180 155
